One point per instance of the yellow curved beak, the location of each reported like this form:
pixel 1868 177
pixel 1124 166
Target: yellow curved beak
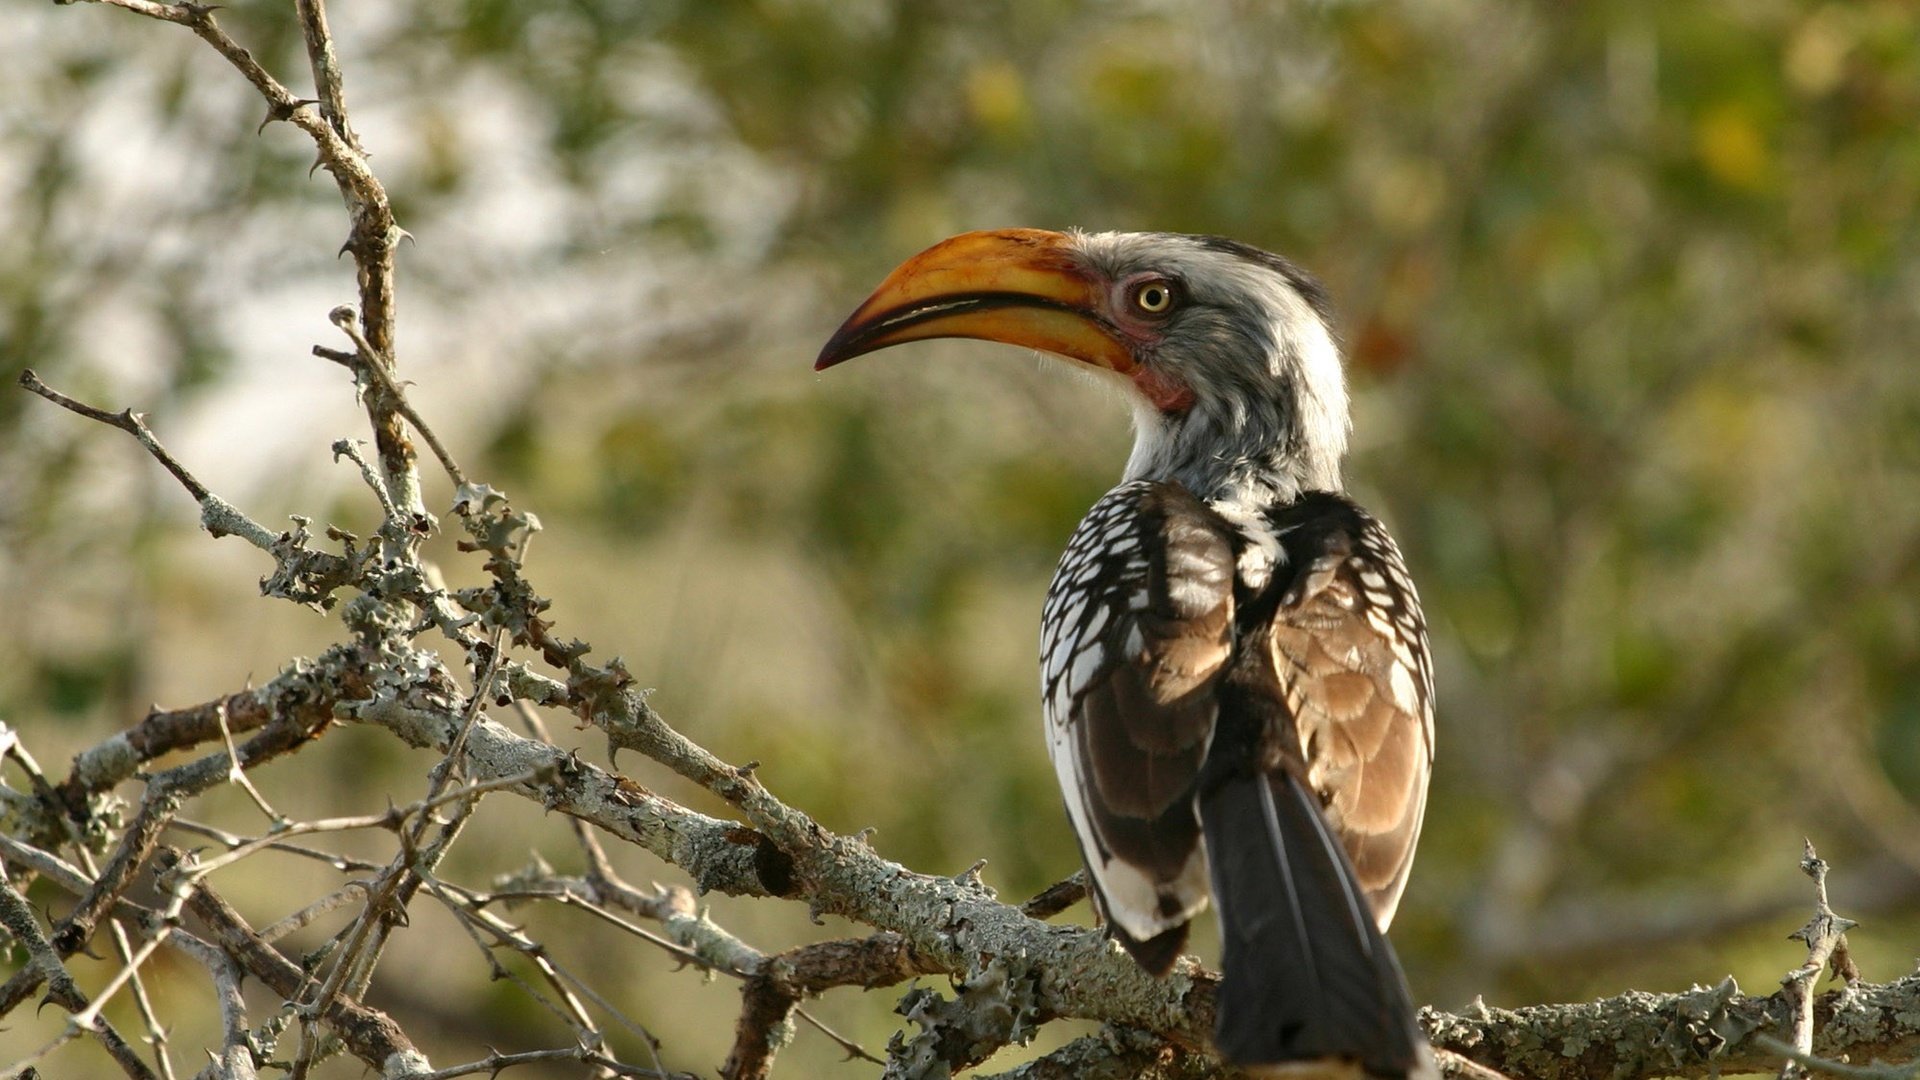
pixel 1017 286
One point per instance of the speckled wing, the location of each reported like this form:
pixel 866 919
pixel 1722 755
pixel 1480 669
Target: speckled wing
pixel 1136 632
pixel 1349 649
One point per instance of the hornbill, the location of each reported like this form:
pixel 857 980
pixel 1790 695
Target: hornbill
pixel 1234 666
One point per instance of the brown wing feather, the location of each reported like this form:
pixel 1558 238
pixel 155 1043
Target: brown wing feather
pixel 1349 652
pixel 1137 630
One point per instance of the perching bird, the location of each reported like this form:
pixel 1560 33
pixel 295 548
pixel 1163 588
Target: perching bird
pixel 1234 666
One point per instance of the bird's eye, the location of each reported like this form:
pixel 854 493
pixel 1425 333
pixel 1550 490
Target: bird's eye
pixel 1153 296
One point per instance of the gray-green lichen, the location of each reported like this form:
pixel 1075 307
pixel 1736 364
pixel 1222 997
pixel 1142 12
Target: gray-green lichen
pixel 993 1005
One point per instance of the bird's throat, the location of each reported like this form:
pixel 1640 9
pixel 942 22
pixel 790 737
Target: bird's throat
pixel 1162 391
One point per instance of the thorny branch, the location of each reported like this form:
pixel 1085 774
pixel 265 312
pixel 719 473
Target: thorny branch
pixel 216 515
pixel 1009 972
pixel 1825 936
pixel 44 967
pixel 374 236
pixel 380 370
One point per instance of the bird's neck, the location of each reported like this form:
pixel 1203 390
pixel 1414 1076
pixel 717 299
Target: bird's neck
pixel 1243 455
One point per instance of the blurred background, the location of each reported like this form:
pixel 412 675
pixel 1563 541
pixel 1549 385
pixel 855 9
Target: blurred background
pixel 1630 293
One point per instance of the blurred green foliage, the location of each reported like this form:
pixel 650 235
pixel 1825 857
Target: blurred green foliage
pixel 1629 295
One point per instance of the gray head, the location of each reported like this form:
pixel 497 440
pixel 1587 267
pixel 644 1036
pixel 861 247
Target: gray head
pixel 1249 333
pixel 1226 351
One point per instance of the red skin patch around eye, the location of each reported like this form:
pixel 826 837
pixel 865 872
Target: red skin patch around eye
pixel 1167 393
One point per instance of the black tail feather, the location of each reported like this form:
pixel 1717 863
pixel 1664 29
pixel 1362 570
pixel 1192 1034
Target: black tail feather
pixel 1308 974
pixel 1157 953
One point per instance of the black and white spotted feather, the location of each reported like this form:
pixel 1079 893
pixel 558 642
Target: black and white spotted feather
pixel 1136 631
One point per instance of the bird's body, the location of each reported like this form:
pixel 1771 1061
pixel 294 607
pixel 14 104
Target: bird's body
pixel 1193 691
pixel 1234 669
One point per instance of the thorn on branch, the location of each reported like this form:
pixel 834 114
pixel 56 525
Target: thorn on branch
pixel 970 877
pixel 278 111
pixel 1057 897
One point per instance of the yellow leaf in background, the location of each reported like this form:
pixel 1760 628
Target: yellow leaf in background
pixel 1815 59
pixel 998 98
pixel 1730 146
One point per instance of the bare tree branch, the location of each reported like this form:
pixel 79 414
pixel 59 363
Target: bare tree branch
pixel 216 515
pixel 374 235
pixel 45 967
pixel 1825 936
pixel 372 1036
pixel 1698 1033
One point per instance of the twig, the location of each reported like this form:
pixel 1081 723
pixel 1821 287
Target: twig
pixel 473 917
pixel 557 976
pixel 136 843
pixel 472 921
pixel 380 369
pixel 375 234
pixel 133 423
pixel 1826 941
pixel 234 840
pixel 162 732
pixel 381 901
pixel 333 901
pixel 482 691
pixel 235 1060
pixel 238 775
pixel 392 819
pixel 1875 1071
pixel 217 516
pixel 301 575
pixel 17 916
pixel 372 1036
pixel 346 448
pixel 1456 1066
pixel 143 1001
pixel 696 939
pixel 853 1050
pixel 156 1031
pixel 87 1017
pixel 149 921
pixel 327 79
pixel 393 890
pixel 673 907
pixel 561 893
pixel 495 1062
pixel 165 793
